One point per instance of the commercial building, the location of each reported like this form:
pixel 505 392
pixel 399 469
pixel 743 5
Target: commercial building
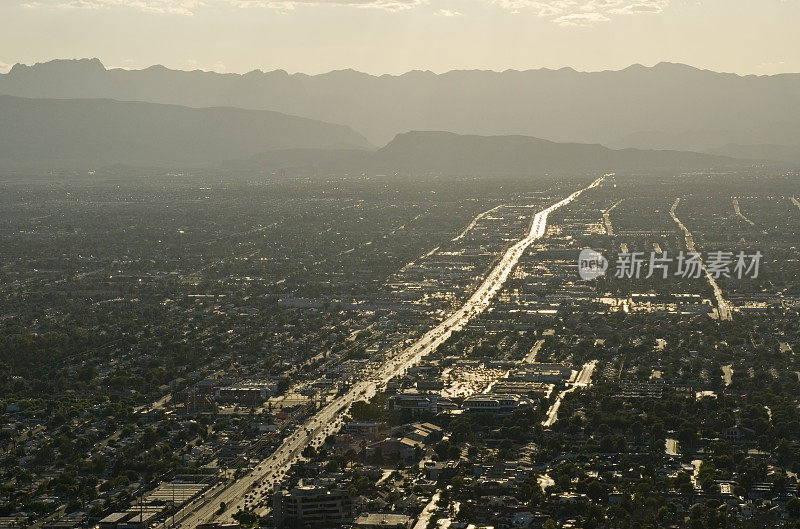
pixel 420 402
pixel 383 521
pixel 497 404
pixel 247 394
pixel 395 449
pixel 312 506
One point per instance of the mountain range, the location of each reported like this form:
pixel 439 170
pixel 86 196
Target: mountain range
pixel 87 132
pixel 667 106
pixel 90 133
pixel 423 152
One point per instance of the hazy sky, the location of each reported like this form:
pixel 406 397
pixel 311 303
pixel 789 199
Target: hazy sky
pixel 393 36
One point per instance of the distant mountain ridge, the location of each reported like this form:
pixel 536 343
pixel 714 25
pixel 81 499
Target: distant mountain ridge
pixel 425 152
pixel 667 106
pixel 782 153
pixel 92 133
pixel 441 151
pixel 87 132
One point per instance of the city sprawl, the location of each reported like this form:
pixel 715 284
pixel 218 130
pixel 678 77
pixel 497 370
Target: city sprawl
pixel 212 349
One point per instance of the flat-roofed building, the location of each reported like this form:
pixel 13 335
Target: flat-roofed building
pixel 383 521
pixel 419 402
pixel 312 506
pixel 111 521
pixel 497 404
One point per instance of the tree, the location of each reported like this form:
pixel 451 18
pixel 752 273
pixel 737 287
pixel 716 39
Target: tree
pixel 793 507
pixel 466 512
pixel 246 518
pixel 283 384
pixel 706 475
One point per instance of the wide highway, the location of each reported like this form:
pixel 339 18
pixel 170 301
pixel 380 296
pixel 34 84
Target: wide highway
pixel 327 420
pixel 724 311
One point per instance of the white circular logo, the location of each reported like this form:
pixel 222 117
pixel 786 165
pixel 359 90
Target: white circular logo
pixel 591 264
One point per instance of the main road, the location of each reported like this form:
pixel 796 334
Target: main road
pixel 582 380
pixel 724 311
pixel 272 469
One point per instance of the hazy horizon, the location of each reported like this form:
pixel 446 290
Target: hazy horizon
pixel 396 36
pixel 8 68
